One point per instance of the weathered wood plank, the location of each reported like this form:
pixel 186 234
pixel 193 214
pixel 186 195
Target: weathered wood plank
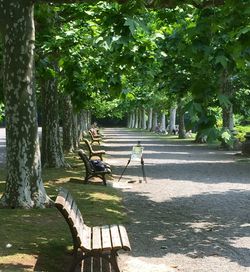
pixel 115 236
pixel 96 238
pixel 124 238
pixel 106 240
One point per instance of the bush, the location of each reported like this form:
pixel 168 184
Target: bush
pixel 242 130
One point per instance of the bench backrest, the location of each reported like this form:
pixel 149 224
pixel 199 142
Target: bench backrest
pixel 92 136
pixel 83 156
pixel 88 145
pixel 81 233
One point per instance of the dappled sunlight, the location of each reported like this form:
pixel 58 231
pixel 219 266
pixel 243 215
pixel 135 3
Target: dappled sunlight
pixel 190 161
pixel 196 226
pixel 102 196
pixel 146 265
pixel 99 205
pixel 114 211
pixel 160 238
pixel 240 242
pixel 201 226
pixel 192 209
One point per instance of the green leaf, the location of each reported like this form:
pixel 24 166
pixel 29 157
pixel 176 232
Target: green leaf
pixel 224 100
pixel 243 31
pixel 131 24
pixel 222 60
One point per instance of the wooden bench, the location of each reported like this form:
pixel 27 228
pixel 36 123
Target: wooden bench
pixel 93 153
pixel 91 242
pixel 94 138
pixel 90 171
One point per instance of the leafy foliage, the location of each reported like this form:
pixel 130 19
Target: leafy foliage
pixel 113 58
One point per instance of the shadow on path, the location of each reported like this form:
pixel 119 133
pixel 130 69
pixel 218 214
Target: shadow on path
pixel 195 205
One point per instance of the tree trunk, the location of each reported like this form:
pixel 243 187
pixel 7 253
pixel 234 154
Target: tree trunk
pixel 129 120
pixel 227 111
pixel 140 118
pixel 82 125
pixel 163 122
pixel 144 123
pixel 172 120
pixel 85 121
pixel 75 130
pixel 24 187
pixel 133 119
pixel 136 118
pixel 150 118
pixel 52 154
pixel 67 125
pixel 155 121
pixel 227 117
pixel 182 130
pixel 89 119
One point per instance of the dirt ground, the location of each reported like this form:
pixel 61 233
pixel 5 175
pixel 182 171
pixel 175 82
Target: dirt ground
pixel 192 214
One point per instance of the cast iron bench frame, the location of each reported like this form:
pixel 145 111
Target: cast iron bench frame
pixel 90 171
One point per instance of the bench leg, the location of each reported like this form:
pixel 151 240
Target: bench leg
pixel 87 177
pixel 74 265
pixel 104 180
pixel 113 261
pixel 76 260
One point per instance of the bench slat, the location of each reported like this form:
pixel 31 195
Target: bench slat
pixel 86 238
pixel 73 211
pixel 61 198
pixel 106 240
pixel 96 238
pixel 115 236
pixel 68 204
pixel 124 238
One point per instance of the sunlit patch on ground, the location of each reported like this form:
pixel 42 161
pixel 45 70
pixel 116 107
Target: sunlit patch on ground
pixel 19 262
pixel 138 265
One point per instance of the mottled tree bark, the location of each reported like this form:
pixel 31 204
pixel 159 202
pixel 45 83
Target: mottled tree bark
pixel 227 110
pixel 24 187
pixel 75 130
pixel 82 125
pixel 144 121
pixel 136 118
pixel 181 122
pixel 52 153
pixel 150 119
pixel 155 121
pixel 139 118
pixel 85 120
pixel 67 124
pixel 133 120
pixel 172 119
pixel 163 122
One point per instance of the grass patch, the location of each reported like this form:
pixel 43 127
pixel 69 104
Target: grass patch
pixel 39 239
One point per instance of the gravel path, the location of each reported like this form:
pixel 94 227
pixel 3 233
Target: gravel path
pixel 192 215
